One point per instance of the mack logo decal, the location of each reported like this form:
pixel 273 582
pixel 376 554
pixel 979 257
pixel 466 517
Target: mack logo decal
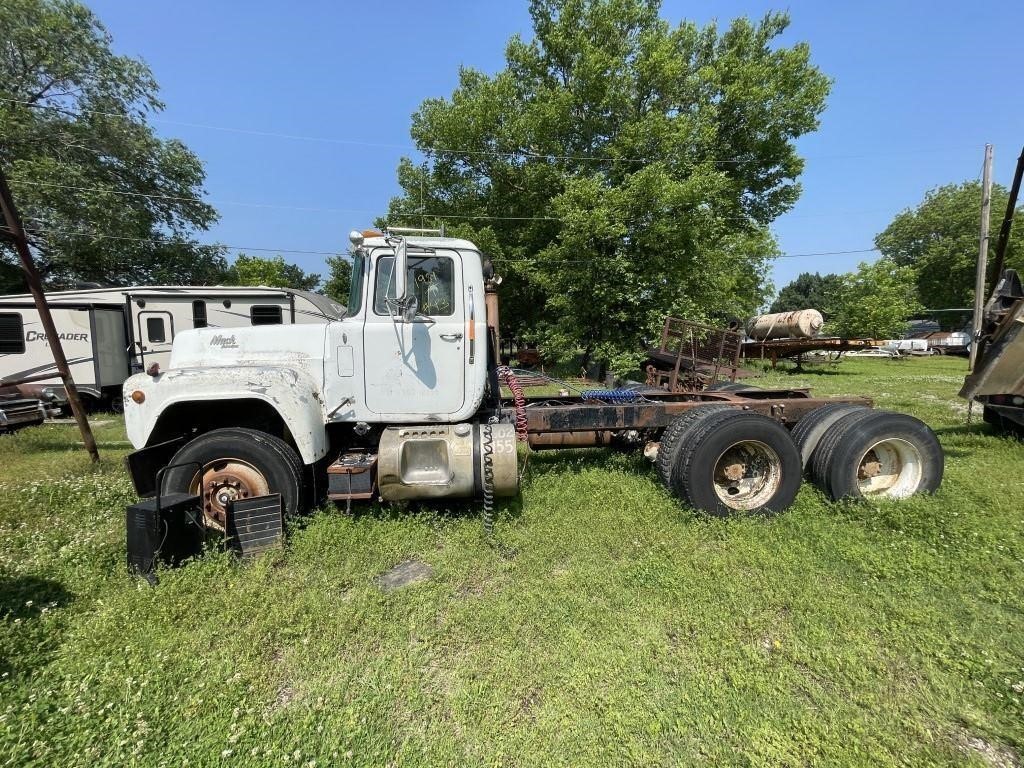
pixel 224 342
pixel 37 336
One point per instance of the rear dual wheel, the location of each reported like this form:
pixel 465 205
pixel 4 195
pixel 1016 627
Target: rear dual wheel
pixel 724 461
pixel 811 428
pixel 869 454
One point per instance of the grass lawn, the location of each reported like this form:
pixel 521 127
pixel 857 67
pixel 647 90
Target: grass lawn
pixel 623 630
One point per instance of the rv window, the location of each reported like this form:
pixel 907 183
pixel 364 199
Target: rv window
pixel 265 314
pixel 12 334
pixel 155 330
pixel 198 314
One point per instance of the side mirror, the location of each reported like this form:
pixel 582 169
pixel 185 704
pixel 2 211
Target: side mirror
pixel 400 271
pixel 409 308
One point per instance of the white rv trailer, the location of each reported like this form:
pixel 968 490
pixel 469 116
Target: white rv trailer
pixel 110 333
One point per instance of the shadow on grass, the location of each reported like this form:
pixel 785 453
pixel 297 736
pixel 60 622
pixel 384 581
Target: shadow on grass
pixel 977 428
pixel 579 459
pixel 424 510
pixel 795 370
pixel 23 601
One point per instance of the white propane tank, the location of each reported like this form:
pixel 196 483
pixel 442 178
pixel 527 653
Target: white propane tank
pixel 799 324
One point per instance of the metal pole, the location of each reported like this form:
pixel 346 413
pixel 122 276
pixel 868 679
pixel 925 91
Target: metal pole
pixel 1004 230
pixel 35 286
pixel 979 279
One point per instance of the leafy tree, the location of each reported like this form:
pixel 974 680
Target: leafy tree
pixel 808 291
pixel 339 279
pixel 274 272
pixel 939 240
pixel 106 199
pixel 875 301
pixel 624 169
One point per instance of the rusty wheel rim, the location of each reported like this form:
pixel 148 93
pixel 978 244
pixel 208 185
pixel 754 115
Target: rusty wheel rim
pixel 747 475
pixel 224 481
pixel 890 468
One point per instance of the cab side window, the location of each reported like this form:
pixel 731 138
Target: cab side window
pixel 431 279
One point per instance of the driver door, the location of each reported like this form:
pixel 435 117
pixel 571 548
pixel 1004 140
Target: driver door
pixel 417 369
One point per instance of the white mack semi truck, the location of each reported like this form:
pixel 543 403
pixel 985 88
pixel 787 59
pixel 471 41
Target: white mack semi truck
pixel 401 398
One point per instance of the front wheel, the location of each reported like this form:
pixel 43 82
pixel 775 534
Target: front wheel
pixel 236 464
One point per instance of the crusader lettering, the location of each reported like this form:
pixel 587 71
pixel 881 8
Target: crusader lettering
pixel 37 336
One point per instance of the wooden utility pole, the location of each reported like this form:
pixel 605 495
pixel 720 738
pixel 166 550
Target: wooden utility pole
pixel 1007 225
pixel 35 286
pixel 979 279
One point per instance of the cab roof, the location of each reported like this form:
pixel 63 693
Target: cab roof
pixel 453 243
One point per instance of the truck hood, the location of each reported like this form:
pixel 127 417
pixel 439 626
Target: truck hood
pixel 290 346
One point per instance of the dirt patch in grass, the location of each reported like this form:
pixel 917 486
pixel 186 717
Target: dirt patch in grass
pixel 995 755
pixel 404 574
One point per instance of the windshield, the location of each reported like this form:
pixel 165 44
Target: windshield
pixel 355 291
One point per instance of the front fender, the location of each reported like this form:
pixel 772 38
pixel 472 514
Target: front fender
pixel 291 393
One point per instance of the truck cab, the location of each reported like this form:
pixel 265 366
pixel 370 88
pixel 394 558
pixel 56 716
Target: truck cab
pixel 405 354
pixel 391 361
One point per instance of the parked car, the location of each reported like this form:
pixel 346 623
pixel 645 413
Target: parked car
pixel 18 412
pixel 874 352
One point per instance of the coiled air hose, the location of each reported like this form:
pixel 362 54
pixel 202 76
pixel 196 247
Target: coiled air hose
pixel 487 443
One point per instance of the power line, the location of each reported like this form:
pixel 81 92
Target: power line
pixel 772 256
pixel 151 196
pixel 358 143
pixel 164 241
pixel 314 209
pixel 160 241
pixel 446 151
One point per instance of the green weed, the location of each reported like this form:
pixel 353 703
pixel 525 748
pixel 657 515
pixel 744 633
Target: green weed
pixel 612 627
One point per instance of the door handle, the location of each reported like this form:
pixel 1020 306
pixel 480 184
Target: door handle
pixel 451 336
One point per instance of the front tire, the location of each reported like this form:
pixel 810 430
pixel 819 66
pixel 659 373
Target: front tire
pixel 236 463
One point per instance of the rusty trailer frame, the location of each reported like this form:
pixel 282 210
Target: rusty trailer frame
pixel 691 356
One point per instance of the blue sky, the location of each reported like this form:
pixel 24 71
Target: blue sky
pixel 919 88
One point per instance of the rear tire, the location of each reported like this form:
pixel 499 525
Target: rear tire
pixel 737 461
pixel 237 463
pixel 878 455
pixel 676 433
pixel 811 428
